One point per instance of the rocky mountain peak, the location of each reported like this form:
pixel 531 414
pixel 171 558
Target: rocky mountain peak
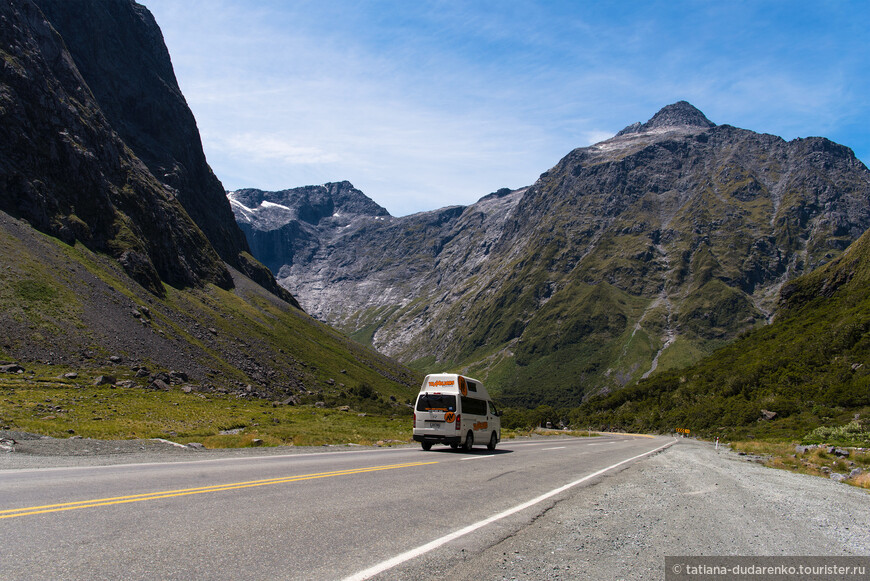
pixel 678 115
pixel 310 204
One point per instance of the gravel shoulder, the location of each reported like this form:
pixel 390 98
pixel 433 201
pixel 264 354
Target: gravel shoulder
pixel 686 500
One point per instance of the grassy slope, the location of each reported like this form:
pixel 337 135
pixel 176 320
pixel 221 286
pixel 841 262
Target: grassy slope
pixel 811 367
pixel 65 309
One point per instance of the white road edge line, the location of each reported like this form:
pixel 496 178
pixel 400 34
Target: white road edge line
pixel 478 458
pixel 408 555
pixel 556 448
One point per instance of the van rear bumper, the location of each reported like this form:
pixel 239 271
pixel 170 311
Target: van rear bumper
pixel 438 439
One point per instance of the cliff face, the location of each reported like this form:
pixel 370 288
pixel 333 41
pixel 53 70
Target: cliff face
pixel 639 253
pixel 86 121
pixel 100 146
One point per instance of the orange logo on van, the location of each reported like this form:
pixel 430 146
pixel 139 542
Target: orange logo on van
pixel 449 417
pixel 463 387
pixel 440 383
pixel 480 426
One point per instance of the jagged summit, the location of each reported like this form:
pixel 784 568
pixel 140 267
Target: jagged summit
pixel 679 114
pixel 310 204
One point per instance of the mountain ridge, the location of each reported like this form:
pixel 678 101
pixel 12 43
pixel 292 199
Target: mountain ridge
pixel 682 230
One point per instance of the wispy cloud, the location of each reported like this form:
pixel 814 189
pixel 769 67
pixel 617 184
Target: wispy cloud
pixel 425 104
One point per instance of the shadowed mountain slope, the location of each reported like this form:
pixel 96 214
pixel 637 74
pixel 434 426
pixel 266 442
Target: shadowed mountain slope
pixel 118 249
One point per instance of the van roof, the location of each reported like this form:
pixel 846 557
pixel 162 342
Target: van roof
pixel 449 383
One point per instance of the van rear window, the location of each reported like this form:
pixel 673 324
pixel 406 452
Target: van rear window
pixel 436 402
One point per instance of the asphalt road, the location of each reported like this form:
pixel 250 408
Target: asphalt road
pixel 334 515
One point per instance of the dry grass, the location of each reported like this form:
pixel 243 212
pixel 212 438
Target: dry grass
pixel 815 461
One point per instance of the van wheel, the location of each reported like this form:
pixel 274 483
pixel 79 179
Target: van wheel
pixel 493 440
pixel 426 445
pixel 469 442
pixel 454 446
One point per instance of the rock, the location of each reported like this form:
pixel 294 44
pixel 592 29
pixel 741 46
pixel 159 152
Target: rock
pixel 320 404
pixel 126 383
pixel 115 359
pixel 187 388
pixel 212 330
pixel 330 381
pixel 344 408
pixel 802 449
pixel 159 384
pixel 196 446
pixel 105 380
pixel 177 376
pixel 292 400
pixel 142 372
pixel 836 476
pixel 256 442
pixel 840 452
pixel 11 368
pixel 7 444
pixel 855 472
pixel 767 414
pixel 164 377
pixel 70 375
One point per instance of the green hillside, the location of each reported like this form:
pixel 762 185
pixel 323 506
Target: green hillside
pixel 71 316
pixel 811 368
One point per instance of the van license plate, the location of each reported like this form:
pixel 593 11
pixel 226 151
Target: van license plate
pixel 435 425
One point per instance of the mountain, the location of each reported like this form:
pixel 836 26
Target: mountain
pixel 91 86
pixel 118 248
pixel 643 252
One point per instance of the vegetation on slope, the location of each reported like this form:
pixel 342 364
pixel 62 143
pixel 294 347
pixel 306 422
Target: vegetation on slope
pixel 66 310
pixel 807 373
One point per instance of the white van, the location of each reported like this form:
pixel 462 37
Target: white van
pixel 455 410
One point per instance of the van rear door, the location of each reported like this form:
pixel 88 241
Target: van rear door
pixel 436 414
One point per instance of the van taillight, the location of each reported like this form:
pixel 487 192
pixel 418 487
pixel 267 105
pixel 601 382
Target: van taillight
pixel 458 422
pixel 415 420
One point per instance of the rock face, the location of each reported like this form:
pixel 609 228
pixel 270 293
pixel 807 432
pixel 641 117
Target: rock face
pixel 106 204
pixel 99 146
pixel 642 252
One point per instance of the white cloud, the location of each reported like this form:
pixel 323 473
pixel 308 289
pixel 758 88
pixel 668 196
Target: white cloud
pixel 260 148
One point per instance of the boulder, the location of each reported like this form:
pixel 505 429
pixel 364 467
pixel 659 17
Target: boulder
pixel 11 368
pixel 105 380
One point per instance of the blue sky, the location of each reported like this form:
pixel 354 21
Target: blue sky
pixel 425 104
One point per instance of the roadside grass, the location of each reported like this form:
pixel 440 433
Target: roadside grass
pixel 62 409
pixel 814 461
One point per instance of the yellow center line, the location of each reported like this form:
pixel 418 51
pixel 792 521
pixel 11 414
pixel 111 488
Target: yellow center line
pixel 16 512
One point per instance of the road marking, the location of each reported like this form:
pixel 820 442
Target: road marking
pixel 478 458
pixel 556 448
pixel 431 546
pixel 28 511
